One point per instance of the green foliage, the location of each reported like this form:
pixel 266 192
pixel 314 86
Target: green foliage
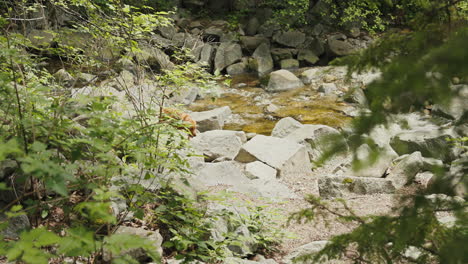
pixel 190 225
pixel 30 245
pixel 71 150
pixel 260 222
pixel 188 228
pixel 288 12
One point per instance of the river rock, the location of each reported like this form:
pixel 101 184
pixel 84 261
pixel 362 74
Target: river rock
pixel 288 157
pixel 458 172
pixel 251 43
pixel 328 88
pixel 268 29
pixel 211 120
pixel 308 249
pixel 227 173
pixel 161 42
pixel 317 139
pixel 86 78
pixel 213 33
pixel 168 30
pixel 281 54
pixel 238 68
pixel 185 95
pixel 289 64
pixel 272 189
pixel 340 47
pixel 340 186
pixel 252 26
pixel 231 175
pixel 229 37
pixel 285 127
pixel 310 75
pixel 314 45
pixel 227 54
pixel 307 57
pixel 431 143
pixel 424 179
pixel 375 162
pixel 154 57
pixel 357 96
pixel 367 77
pixel 283 80
pixel 457 105
pixel 290 38
pixel 405 169
pixel 262 62
pixel 64 77
pixel 207 56
pixel 217 144
pixel 259 170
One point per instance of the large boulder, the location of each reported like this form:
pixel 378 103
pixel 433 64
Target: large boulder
pixel 291 39
pixel 457 107
pixel 339 186
pixel 356 96
pixel 285 127
pixel 307 249
pixel 218 144
pixel 272 189
pixel 251 43
pixel 223 173
pixel 259 170
pixel 168 30
pixel 314 45
pixel 458 172
pixel 207 56
pixel 279 54
pixel 262 60
pixel 186 40
pixel 283 80
pixel 185 95
pixel 212 119
pixel 252 26
pixel 289 64
pixel 431 143
pixel 154 57
pixel 374 162
pixel 340 47
pixel 286 156
pixel 310 75
pixel 328 89
pixel 318 139
pixel 230 175
pixel 307 57
pixel 227 54
pixel 237 68
pixel 64 77
pixel 213 33
pixel 405 169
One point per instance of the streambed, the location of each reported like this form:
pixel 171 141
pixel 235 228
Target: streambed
pixel 257 111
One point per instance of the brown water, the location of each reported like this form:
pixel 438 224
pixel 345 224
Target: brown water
pixel 248 104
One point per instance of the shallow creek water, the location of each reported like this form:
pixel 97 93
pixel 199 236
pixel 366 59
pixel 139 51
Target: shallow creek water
pixel 249 104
